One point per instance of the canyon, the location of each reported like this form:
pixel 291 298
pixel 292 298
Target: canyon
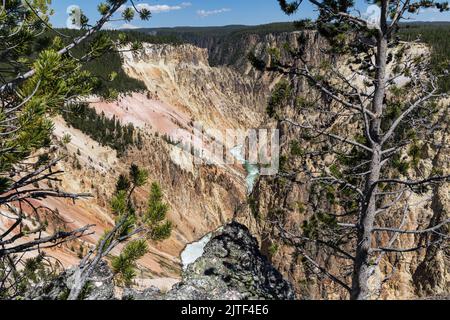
pixel 202 81
pixel 182 89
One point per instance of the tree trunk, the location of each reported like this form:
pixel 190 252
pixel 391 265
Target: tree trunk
pixel 77 285
pixel 363 269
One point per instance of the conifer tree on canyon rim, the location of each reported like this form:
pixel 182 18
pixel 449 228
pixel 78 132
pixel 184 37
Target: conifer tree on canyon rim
pixel 33 88
pixel 138 227
pixel 368 113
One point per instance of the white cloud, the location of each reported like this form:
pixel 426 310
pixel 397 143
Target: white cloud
pixel 113 26
pixel 128 26
pixel 206 13
pixel 158 8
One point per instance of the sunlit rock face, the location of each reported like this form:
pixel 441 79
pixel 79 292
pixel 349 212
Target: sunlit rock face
pixel 182 89
pixel 181 76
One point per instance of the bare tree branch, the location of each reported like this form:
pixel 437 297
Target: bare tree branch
pixel 429 230
pixel 57 238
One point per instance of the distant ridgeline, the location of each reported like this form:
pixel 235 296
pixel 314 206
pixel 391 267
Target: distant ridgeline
pixel 229 32
pixel 227 46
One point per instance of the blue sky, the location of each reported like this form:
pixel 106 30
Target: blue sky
pixel 170 13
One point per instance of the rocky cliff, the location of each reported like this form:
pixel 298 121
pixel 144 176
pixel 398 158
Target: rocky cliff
pixel 182 77
pixel 291 203
pixel 183 87
pixel 228 46
pixel 420 274
pixel 231 268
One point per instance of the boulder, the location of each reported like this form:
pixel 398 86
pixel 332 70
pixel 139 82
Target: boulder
pixel 232 268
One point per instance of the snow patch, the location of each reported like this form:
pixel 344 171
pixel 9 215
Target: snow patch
pixel 194 251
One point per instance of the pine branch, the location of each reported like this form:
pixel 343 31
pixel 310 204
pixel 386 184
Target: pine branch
pixel 10 85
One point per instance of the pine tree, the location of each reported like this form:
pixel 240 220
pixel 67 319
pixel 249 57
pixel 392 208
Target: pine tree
pixel 156 214
pixel 122 183
pixel 131 227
